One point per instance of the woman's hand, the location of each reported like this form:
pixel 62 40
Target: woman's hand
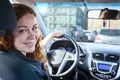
pixel 46 40
pixel 57 34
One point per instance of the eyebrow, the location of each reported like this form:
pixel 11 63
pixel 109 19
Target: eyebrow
pixel 35 24
pixel 26 26
pixel 22 26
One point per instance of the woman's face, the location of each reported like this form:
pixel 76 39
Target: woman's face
pixel 26 34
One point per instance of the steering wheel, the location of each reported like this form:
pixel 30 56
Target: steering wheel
pixel 58 59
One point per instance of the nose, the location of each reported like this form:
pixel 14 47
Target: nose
pixel 31 34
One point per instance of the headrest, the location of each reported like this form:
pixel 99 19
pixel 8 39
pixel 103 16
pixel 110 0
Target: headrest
pixel 7 18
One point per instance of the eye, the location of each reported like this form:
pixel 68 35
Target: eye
pixel 35 28
pixel 22 30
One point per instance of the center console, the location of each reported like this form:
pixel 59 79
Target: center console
pixel 104 70
pixel 102 67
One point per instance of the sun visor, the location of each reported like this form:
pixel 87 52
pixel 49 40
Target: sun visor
pixel 7 18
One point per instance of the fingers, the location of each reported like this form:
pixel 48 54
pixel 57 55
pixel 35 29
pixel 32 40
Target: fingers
pixel 58 34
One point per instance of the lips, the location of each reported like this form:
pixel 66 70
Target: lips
pixel 30 43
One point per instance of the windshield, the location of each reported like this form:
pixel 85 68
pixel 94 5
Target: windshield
pixel 72 18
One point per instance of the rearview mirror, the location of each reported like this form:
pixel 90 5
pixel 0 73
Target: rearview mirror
pixel 104 14
pixel 103 1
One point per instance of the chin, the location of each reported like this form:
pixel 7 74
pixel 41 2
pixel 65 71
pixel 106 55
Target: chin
pixel 30 50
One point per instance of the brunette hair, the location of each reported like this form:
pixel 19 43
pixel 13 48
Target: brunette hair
pixel 6 43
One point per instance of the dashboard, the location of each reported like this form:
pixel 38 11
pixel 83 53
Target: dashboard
pixel 63 45
pixel 100 61
pixel 69 49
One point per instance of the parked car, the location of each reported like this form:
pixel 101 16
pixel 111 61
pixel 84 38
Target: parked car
pixel 108 36
pixel 90 34
pixel 79 34
pixel 76 32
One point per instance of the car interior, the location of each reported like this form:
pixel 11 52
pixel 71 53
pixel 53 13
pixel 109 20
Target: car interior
pixel 68 59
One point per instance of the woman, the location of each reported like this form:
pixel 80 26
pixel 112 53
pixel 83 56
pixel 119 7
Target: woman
pixel 26 41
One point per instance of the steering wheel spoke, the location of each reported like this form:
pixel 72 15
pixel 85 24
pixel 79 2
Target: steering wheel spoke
pixel 61 67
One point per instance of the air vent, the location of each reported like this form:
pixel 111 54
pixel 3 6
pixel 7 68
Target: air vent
pixel 98 56
pixel 112 58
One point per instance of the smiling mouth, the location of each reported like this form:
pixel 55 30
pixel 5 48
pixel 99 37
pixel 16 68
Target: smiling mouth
pixel 30 43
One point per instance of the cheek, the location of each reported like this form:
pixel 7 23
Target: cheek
pixel 18 40
pixel 37 34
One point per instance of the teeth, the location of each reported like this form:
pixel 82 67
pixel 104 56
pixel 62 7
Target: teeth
pixel 30 43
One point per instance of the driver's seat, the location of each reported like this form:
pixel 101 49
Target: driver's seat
pixel 11 68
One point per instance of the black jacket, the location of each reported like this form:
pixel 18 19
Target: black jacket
pixel 13 68
pixel 36 66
